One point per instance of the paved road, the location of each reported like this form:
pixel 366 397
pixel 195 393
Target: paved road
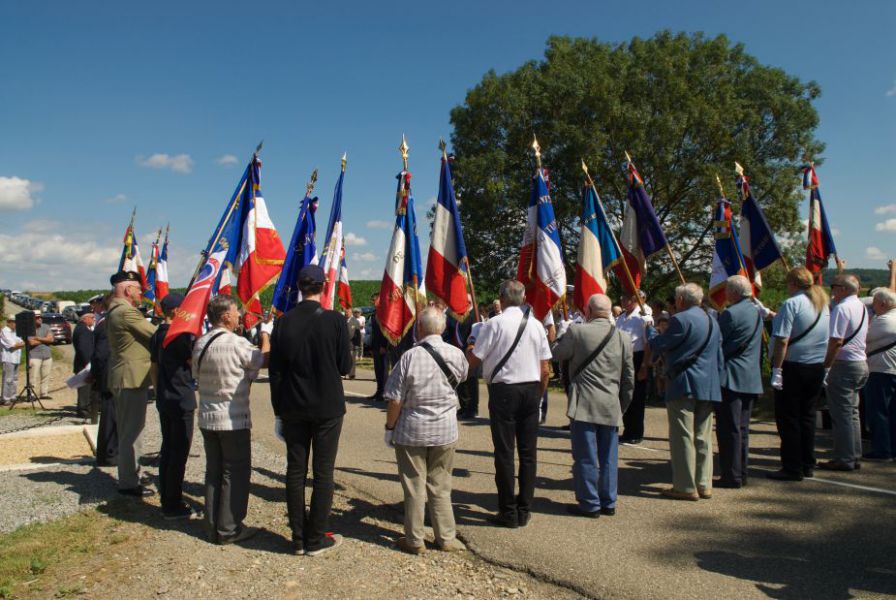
pixel 833 537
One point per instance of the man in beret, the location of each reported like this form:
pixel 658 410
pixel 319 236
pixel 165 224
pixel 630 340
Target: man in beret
pixel 176 403
pixel 129 333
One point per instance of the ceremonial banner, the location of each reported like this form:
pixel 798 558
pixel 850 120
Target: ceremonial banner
pixel 727 259
pixel 446 275
pixel 598 251
pixel 334 251
pixel 821 242
pixel 189 315
pixel 162 271
pixel 130 255
pixel 641 235
pixel 151 276
pixel 757 241
pixel 301 252
pixel 399 291
pixel 344 290
pixel 540 267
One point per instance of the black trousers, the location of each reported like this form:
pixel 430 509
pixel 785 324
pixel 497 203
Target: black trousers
pixel 468 394
pixel 177 437
pixel 380 370
pixel 633 419
pixel 302 438
pixel 733 434
pixel 107 432
pixel 795 414
pixel 513 416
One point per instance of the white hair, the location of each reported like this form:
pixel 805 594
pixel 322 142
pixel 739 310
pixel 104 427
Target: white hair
pixel 739 286
pixel 886 296
pixel 600 305
pixel 512 292
pixel 431 321
pixel 689 293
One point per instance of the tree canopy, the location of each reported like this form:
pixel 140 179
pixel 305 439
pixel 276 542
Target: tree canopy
pixel 684 106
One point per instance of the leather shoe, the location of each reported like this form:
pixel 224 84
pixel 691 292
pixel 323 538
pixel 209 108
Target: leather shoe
pixel 138 492
pixel 704 493
pixel 608 512
pixel 575 510
pixel 522 518
pixel 782 475
pixel 835 465
pixel 405 546
pixel 725 484
pixel 808 471
pixel 503 521
pixel 676 495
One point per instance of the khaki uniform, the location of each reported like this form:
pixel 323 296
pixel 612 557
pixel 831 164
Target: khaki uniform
pixel 128 379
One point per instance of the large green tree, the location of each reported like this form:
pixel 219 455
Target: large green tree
pixel 685 107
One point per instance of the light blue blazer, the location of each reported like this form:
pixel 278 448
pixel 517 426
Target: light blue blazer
pixel 685 335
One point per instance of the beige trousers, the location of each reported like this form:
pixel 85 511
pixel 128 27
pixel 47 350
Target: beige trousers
pixel 690 443
pixel 425 473
pixel 40 375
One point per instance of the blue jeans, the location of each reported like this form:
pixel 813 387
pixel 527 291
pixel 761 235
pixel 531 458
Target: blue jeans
pixel 595 453
pixel 880 409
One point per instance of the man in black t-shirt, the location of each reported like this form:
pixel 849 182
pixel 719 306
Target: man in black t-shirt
pixel 176 403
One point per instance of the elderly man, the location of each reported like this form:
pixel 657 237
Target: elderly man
pixel 107 431
pixel 224 365
pixel 847 372
pixel 40 360
pixel 310 352
pixel 636 321
pixel 741 327
pixel 880 391
pixel 82 341
pixel 515 355
pixel 129 333
pixel 421 422
pixel 355 335
pixel 692 350
pixel 11 354
pixel 601 386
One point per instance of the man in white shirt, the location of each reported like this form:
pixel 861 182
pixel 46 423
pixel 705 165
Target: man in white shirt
pixel 847 369
pixel 635 323
pixel 11 350
pixel 880 391
pixel 515 355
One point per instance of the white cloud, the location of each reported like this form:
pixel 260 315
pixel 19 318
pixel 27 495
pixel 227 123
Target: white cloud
pixel 888 225
pixel 874 253
pixel 365 257
pixel 892 91
pixel 17 193
pixel 180 163
pixel 227 160
pixel 885 209
pixel 377 224
pixel 117 199
pixel 354 240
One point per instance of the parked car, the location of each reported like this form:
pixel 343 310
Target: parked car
pixel 70 313
pixel 62 330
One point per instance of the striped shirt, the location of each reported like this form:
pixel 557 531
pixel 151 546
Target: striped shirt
pixel 227 369
pixel 429 403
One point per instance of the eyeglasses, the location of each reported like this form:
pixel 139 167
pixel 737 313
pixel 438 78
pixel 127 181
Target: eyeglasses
pixel 836 285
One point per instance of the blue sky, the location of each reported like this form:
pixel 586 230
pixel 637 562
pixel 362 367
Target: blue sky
pixel 107 105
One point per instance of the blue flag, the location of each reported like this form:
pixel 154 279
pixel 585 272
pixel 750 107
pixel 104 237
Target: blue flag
pixel 301 252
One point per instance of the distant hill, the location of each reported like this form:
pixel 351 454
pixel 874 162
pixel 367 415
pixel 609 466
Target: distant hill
pixel 870 278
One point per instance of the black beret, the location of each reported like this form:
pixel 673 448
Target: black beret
pixel 123 276
pixel 171 301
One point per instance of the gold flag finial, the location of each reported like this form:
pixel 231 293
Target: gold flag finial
pixel 344 160
pixel 719 183
pixel 739 170
pixel 443 147
pixel 310 185
pixel 404 151
pixel 537 150
pixel 587 174
pixel 628 157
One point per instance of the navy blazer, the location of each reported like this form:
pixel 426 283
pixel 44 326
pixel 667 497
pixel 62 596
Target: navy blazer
pixel 685 335
pixel 742 369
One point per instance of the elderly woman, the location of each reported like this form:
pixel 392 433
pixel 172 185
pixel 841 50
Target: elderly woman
pixel 224 364
pixel 880 391
pixel 421 422
pixel 799 343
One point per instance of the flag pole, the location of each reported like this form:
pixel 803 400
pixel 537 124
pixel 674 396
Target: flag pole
pixel 739 170
pixel 628 272
pixel 415 283
pixel 444 148
pixel 740 258
pixel 537 150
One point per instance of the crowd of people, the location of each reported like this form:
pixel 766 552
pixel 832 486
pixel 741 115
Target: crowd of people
pixel 705 364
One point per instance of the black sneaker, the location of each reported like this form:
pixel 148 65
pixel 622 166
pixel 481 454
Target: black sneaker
pixel 783 475
pixel 608 512
pixel 502 521
pixel 330 542
pixel 522 518
pixel 181 512
pixel 297 547
pixel 139 491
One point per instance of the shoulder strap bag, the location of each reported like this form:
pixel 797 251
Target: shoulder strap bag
pixel 858 329
pixel 883 348
pixel 205 349
pixel 746 343
pixel 506 357
pixel 689 362
pixel 452 380
pixel 795 339
pixel 591 357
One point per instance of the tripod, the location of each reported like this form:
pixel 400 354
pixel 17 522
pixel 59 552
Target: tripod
pixel 27 394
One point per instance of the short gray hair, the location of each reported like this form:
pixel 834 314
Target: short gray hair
pixel 886 296
pixel 512 292
pixel 600 304
pixel 431 321
pixel 850 282
pixel 689 293
pixel 739 286
pixel 218 306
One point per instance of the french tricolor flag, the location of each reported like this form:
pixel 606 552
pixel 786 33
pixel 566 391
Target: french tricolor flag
pixel 821 242
pixel 598 251
pixel 540 268
pixel 334 252
pixel 641 234
pixel 344 289
pixel 757 242
pixel 446 275
pixel 727 259
pixel 162 271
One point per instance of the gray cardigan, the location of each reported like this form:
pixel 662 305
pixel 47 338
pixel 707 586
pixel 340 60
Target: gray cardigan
pixel 603 391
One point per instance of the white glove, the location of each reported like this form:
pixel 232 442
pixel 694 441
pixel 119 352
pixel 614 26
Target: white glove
pixel 562 328
pixel 267 328
pixel 778 379
pixel 387 437
pixel 278 429
pixel 825 380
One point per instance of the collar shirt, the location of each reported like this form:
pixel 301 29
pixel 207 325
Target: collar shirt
pixel 495 338
pixel 8 339
pixel 795 316
pixel 882 332
pixel 428 402
pixel 635 325
pixel 227 369
pixel 849 317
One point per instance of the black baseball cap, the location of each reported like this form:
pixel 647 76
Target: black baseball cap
pixel 311 274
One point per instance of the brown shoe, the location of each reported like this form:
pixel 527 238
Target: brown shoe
pixel 676 495
pixel 452 545
pixel 705 493
pixel 405 546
